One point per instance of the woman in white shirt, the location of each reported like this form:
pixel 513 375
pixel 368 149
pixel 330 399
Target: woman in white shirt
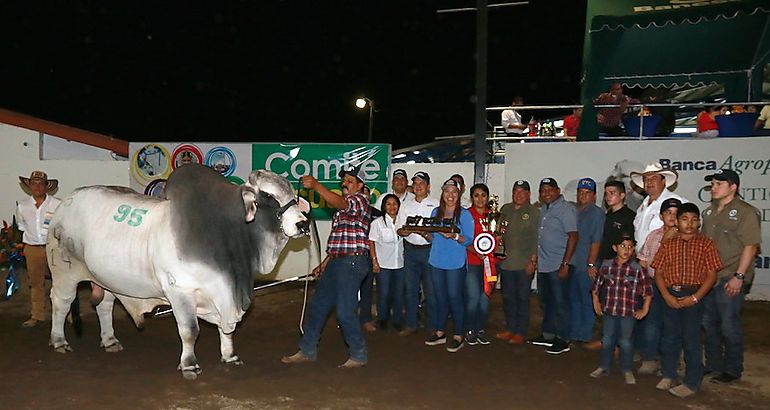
pixel 387 251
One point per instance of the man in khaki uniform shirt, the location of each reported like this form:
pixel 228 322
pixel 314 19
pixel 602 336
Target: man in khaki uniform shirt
pixel 517 269
pixel 734 226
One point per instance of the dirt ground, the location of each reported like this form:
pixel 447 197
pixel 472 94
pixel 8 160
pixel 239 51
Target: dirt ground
pixel 402 371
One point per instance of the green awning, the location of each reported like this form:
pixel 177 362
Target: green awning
pixel 642 43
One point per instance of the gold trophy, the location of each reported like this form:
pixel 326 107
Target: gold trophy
pixel 493 223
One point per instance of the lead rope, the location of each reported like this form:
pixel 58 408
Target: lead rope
pixel 317 239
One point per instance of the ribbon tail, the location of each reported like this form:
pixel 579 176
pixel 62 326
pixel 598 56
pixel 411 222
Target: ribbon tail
pixel 490 276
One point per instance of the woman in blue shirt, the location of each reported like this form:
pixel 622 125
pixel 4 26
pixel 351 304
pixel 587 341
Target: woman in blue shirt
pixel 447 261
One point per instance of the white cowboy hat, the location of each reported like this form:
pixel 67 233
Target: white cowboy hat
pixel 51 184
pixel 654 168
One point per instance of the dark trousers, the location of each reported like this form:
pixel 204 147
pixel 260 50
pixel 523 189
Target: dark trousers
pixel 724 337
pixel 515 286
pixel 681 332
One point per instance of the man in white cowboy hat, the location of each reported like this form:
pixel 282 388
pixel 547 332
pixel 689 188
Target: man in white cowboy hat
pixel 33 215
pixel 656 182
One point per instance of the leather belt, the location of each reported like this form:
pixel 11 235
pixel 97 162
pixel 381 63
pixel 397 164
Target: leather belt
pixel 685 288
pixel 417 246
pixel 35 246
pixel 344 255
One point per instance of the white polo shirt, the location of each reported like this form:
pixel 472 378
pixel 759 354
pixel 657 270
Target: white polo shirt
pixel 387 243
pixel 411 207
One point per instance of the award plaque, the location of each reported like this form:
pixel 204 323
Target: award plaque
pixel 423 224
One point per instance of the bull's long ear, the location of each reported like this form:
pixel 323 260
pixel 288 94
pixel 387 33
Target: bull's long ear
pixel 249 202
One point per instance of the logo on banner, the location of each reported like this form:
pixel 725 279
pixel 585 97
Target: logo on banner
pixel 186 154
pixel 155 188
pixel 151 162
pixel 222 160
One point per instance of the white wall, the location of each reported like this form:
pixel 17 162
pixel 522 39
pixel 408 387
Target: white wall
pixel 20 155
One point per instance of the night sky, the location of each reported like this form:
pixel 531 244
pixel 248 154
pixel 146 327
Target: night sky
pixel 279 71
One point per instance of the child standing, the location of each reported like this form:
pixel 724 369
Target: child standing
pixel 620 285
pixel 685 271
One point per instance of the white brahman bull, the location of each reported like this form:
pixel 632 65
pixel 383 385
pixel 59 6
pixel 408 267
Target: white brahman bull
pixel 198 250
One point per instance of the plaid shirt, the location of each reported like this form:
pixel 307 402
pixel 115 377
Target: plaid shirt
pixel 686 262
pixel 650 248
pixel 620 287
pixel 350 227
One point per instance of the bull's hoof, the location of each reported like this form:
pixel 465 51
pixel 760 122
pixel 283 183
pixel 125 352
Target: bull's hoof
pixel 63 349
pixel 190 372
pixel 113 348
pixel 233 360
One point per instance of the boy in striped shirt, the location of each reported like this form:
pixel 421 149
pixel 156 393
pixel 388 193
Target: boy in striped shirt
pixel 620 285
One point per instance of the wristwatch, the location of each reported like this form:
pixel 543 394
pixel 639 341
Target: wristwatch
pixel 591 265
pixel 740 275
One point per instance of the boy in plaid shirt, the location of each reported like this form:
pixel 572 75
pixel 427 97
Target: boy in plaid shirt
pixel 620 285
pixel 685 271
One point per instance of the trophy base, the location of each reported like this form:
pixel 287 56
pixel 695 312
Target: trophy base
pixel 444 229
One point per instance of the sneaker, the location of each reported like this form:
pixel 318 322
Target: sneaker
pixel 724 378
pixel 435 340
pixel 558 347
pixel 471 339
pixel 664 384
pixel 599 372
pixel 637 357
pixel 504 335
pixel 407 331
pixel 681 391
pixel 382 324
pixel 481 336
pixel 517 340
pixel 629 377
pixel 298 357
pixel 455 345
pixel 648 367
pixel 541 341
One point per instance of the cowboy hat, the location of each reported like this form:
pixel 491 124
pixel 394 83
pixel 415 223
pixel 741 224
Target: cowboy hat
pixel 654 168
pixel 51 184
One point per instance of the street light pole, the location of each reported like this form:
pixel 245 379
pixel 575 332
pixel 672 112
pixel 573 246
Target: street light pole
pixel 361 103
pixel 371 120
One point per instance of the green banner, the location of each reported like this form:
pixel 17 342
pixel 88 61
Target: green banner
pixel 324 162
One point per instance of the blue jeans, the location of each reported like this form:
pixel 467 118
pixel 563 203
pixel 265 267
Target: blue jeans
pixel 476 301
pixel 515 286
pixel 338 287
pixel 681 331
pixel 448 285
pixel 365 305
pixel 554 300
pixel 648 330
pixel 582 316
pixel 416 270
pixel 616 331
pixel 724 337
pixel 390 295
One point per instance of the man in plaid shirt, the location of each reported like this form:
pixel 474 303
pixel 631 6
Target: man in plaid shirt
pixel 620 285
pixel 344 268
pixel 685 271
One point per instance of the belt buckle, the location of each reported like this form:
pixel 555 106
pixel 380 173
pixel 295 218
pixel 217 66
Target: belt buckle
pixel 677 288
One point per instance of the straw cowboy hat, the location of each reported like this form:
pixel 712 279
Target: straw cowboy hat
pixel 654 168
pixel 51 184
